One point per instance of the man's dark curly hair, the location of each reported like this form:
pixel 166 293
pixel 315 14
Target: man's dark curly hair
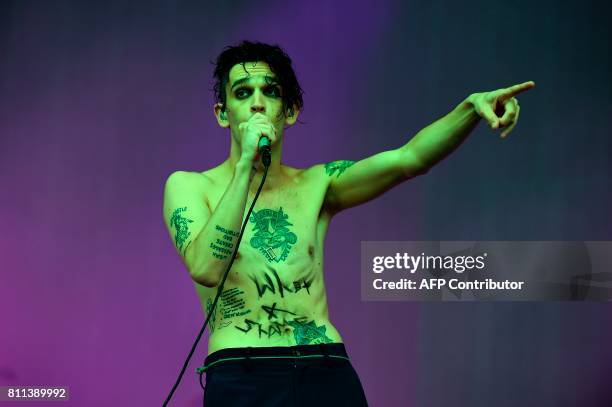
pixel 274 56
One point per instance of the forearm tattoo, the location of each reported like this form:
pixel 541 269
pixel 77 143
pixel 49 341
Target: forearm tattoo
pixel 271 234
pixel 222 247
pixel 181 227
pixel 340 166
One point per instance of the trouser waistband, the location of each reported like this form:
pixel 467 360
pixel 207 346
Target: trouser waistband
pixel 280 352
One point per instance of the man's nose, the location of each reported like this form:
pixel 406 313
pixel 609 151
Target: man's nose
pixel 258 105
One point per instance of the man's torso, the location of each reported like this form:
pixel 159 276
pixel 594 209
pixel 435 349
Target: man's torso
pixel 274 294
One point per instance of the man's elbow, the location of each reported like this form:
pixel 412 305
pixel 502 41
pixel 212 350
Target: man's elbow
pixel 205 279
pixel 412 166
pixel 419 170
pixel 205 276
pixel 201 272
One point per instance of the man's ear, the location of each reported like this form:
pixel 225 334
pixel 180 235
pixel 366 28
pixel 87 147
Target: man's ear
pixel 291 116
pixel 221 116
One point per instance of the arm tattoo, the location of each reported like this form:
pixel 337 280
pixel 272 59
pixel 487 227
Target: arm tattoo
pixel 181 225
pixel 340 166
pixel 223 247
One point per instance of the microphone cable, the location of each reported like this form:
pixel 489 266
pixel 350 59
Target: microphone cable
pixel 265 158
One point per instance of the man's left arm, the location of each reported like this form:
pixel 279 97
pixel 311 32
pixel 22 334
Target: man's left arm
pixel 353 183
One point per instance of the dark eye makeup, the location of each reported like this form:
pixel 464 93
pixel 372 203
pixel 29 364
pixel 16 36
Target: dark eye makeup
pixel 244 91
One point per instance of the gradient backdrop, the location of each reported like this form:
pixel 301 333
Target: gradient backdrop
pixel 101 101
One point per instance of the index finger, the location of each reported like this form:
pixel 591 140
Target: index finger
pixel 516 89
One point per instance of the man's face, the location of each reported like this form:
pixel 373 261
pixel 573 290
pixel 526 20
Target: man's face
pixel 251 91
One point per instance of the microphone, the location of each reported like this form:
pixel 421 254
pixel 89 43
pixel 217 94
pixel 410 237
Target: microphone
pixel 264 150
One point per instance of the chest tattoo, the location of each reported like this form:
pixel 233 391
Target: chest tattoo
pixel 271 234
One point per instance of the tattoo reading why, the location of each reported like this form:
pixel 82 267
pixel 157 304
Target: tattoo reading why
pixel 181 225
pixel 271 234
pixel 340 166
pixel 274 284
pixel 269 284
pixel 222 248
pixel 232 303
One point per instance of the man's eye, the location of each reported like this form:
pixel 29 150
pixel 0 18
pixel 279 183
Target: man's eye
pixel 274 91
pixel 241 92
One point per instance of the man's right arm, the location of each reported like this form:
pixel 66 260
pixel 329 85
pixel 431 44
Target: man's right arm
pixel 204 240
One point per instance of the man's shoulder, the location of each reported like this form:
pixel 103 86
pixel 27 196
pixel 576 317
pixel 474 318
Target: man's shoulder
pixel 219 176
pixel 312 175
pixel 190 179
pixel 315 170
pixel 189 176
pixel 206 177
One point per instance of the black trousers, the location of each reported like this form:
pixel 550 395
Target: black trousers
pixel 302 375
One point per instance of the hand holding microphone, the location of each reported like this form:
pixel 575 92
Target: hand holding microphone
pixel 257 135
pixel 263 147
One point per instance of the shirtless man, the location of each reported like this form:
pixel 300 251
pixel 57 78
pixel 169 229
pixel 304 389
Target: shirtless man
pixel 271 340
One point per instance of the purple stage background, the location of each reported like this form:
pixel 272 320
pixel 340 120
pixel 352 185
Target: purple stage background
pixel 101 101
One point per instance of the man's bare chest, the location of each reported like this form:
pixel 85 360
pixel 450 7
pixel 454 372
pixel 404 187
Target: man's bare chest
pixel 276 278
pixel 285 231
